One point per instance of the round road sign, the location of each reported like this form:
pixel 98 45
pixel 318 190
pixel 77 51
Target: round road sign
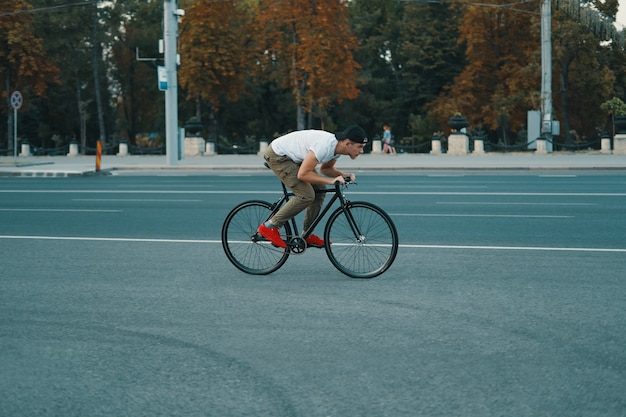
pixel 16 100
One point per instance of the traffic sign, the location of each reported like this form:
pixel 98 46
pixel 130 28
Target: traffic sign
pixel 16 100
pixel 162 73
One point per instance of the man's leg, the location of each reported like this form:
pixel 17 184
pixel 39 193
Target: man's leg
pixel 315 207
pixel 304 194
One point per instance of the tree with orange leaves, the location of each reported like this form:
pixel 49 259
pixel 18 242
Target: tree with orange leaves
pixel 501 69
pixel 216 59
pixel 306 46
pixel 21 52
pixel 502 78
pixel 22 57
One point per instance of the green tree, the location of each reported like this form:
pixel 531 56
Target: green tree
pixel 135 55
pixel 408 53
pixel 613 107
pixel 584 82
pixel 70 109
pixel 584 45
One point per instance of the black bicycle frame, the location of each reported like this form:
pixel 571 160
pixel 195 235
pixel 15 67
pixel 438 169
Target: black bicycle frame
pixel 338 195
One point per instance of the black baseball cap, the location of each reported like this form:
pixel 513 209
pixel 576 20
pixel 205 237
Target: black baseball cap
pixel 354 133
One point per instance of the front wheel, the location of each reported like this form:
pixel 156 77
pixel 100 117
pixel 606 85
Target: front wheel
pixel 362 241
pixel 244 247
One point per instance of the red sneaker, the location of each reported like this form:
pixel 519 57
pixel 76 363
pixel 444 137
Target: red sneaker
pixel 272 234
pixel 315 242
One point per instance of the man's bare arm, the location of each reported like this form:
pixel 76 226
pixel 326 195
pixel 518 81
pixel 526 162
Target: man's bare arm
pixel 307 171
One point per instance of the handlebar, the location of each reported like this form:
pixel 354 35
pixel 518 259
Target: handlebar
pixel 347 180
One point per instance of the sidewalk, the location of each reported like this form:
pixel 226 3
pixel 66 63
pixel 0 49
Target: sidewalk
pixel 63 166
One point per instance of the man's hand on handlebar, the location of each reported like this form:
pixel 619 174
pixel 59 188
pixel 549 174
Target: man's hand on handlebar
pixel 340 179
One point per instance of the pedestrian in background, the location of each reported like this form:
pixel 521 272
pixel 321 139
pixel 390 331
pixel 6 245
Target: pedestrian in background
pixel 388 141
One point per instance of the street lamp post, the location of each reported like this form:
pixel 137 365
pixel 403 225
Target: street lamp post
pixel 546 71
pixel 170 32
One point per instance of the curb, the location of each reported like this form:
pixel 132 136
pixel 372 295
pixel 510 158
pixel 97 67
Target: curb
pixel 54 174
pixel 110 171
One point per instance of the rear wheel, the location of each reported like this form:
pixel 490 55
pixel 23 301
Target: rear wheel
pixel 361 241
pixel 244 247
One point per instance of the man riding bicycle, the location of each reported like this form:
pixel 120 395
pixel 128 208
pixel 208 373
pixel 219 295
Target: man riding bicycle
pixel 294 158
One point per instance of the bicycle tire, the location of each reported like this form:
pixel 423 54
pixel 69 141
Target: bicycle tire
pixel 244 248
pixel 367 255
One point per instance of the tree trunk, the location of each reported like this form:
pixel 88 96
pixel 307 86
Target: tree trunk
pixel 9 113
pixel 213 128
pixel 129 108
pixel 198 107
pixel 81 107
pixel 300 115
pixel 565 103
pixel 300 119
pixel 310 117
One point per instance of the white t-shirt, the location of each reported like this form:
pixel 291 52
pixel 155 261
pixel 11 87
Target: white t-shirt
pixel 296 145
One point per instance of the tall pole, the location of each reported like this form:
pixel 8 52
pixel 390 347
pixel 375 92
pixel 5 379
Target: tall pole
pixel 170 32
pixel 546 70
pixel 14 134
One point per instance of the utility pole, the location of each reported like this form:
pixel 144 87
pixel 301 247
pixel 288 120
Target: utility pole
pixel 170 33
pixel 546 71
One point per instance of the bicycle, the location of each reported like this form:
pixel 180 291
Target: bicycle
pixel 364 239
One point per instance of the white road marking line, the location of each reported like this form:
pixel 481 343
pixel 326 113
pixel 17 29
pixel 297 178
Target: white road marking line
pixel 109 239
pixel 488 203
pixel 213 241
pixel 492 193
pixel 348 192
pixel 431 186
pixel 141 200
pixel 135 192
pixel 534 216
pixel 520 248
pixel 63 210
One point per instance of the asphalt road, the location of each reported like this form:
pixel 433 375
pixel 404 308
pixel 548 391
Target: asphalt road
pixel 507 298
